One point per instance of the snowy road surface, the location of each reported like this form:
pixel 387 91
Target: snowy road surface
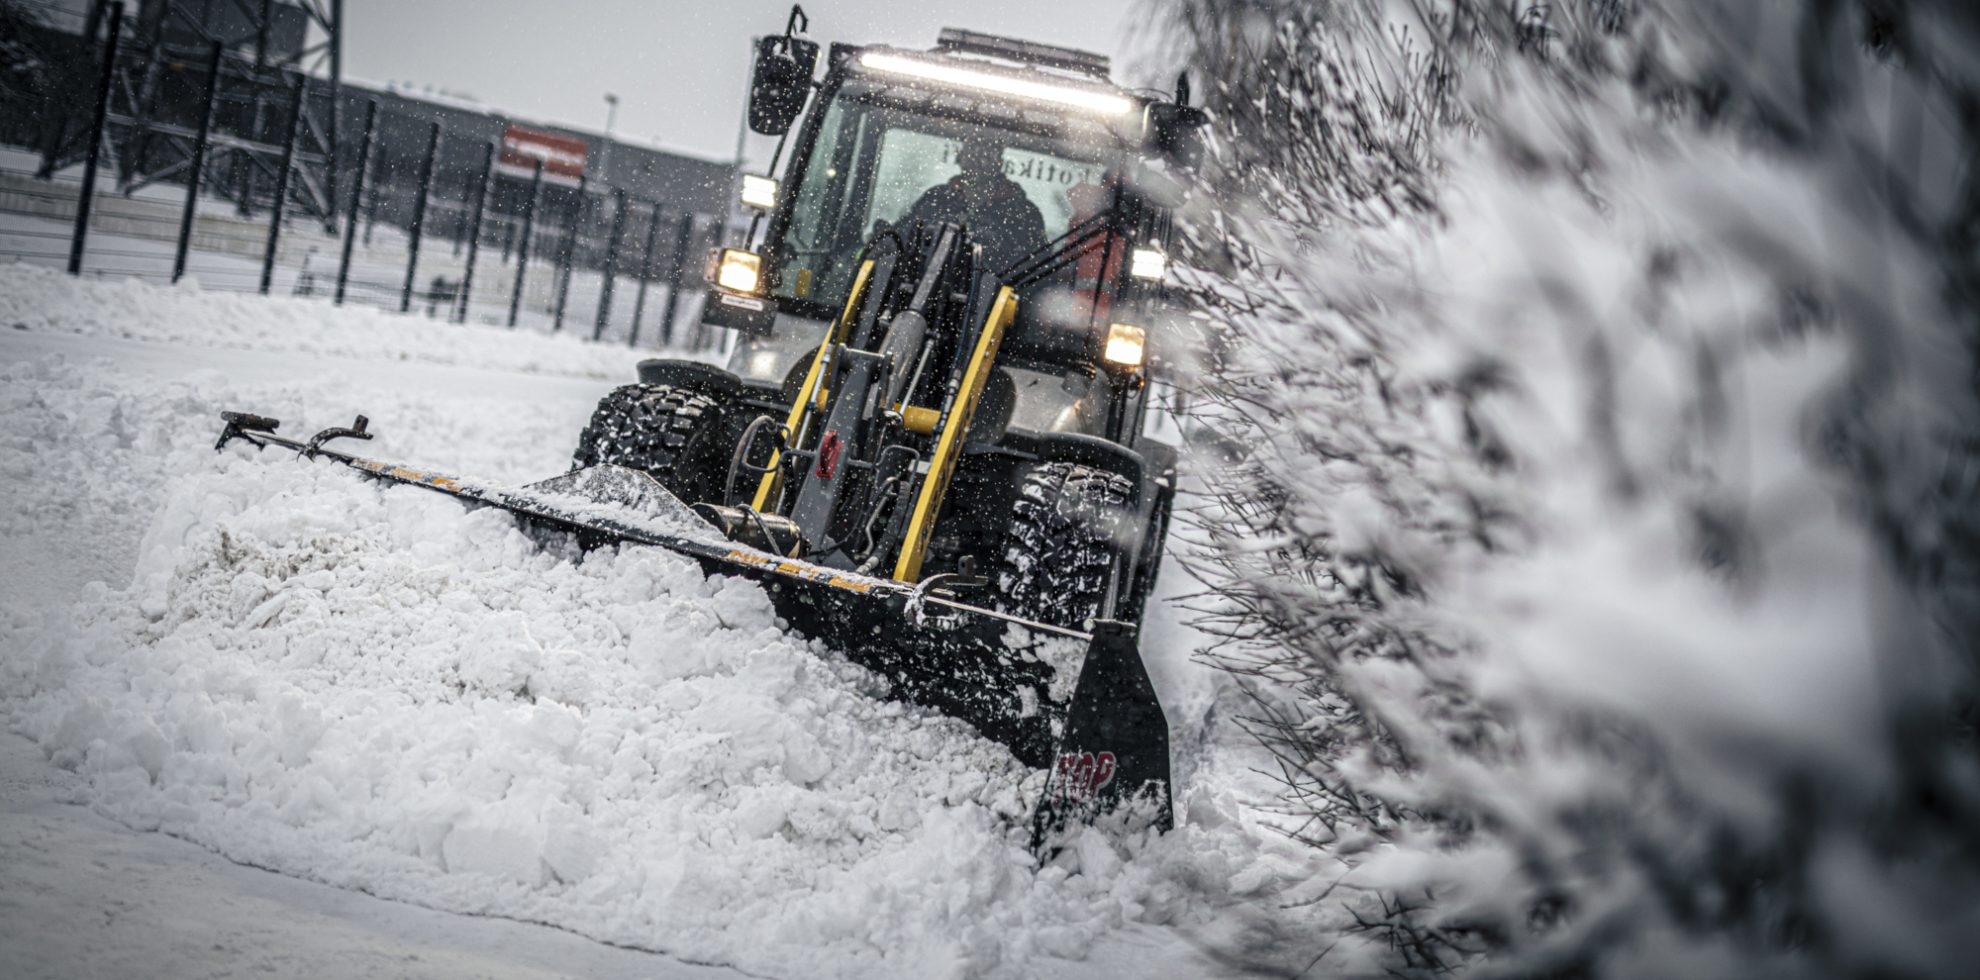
pixel 82 896
pixel 384 695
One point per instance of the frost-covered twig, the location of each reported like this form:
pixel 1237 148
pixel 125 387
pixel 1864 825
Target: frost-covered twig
pixel 1603 563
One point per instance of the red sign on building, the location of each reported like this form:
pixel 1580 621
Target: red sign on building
pixel 562 156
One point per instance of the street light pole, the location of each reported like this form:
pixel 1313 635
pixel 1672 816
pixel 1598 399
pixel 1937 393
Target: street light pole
pixel 605 152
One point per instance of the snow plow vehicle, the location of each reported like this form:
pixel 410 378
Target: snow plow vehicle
pixel 929 441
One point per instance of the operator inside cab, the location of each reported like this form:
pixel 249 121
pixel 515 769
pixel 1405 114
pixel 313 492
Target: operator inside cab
pixel 998 214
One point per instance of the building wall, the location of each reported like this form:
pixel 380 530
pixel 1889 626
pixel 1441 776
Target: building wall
pixel 678 182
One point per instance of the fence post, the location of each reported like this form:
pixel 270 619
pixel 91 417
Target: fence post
pixel 198 160
pixel 645 274
pixel 333 144
pixel 296 105
pixel 675 277
pixel 135 150
pixel 522 248
pixel 419 217
pixel 357 198
pixel 611 262
pixel 462 214
pixel 568 255
pixel 86 196
pixel 474 228
pixel 56 132
pixel 371 205
pixel 244 166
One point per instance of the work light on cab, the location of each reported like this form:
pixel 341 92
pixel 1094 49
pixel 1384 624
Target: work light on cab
pixel 1149 264
pixel 738 271
pixel 1126 344
pixel 759 192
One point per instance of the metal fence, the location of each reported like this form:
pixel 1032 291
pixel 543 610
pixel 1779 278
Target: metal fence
pixel 496 248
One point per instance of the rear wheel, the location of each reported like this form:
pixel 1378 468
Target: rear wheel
pixel 1059 548
pixel 672 433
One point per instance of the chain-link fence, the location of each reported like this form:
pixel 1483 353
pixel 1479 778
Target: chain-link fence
pixel 458 232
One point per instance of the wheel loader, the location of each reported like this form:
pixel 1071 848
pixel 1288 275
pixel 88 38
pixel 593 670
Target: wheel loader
pixel 928 441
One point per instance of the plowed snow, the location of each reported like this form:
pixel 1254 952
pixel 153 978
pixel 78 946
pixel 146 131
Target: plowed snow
pixel 375 688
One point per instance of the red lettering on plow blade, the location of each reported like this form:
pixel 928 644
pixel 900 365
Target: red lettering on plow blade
pixel 1080 776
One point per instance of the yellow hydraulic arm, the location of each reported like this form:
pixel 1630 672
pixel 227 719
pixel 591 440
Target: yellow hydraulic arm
pixel 955 425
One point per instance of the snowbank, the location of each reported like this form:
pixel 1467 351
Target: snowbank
pixel 377 689
pixel 37 298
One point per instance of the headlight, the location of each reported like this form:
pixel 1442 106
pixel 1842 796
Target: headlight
pixel 738 271
pixel 1148 264
pixel 759 192
pixel 1125 345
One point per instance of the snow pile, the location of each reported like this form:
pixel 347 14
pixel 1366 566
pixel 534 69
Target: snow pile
pixel 40 299
pixel 383 691
pixel 378 689
pixel 85 453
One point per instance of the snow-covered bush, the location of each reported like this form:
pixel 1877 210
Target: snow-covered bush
pixel 1602 554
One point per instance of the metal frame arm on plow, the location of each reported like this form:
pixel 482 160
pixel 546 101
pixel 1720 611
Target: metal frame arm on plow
pixel 1109 764
pixel 812 392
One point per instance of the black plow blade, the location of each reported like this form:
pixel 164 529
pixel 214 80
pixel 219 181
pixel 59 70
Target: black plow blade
pixel 1112 764
pixel 1076 704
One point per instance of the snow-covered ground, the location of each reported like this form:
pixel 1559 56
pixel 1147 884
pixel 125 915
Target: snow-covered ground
pixel 84 896
pixel 376 691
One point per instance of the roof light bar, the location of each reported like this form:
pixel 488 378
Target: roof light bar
pixel 1029 52
pixel 1104 103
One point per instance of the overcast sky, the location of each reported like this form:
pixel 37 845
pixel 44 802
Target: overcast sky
pixel 679 67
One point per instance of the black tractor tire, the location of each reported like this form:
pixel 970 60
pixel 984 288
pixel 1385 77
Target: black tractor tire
pixel 674 434
pixel 1060 544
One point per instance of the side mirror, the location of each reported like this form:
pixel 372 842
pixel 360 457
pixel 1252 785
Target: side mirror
pixel 781 79
pixel 1175 133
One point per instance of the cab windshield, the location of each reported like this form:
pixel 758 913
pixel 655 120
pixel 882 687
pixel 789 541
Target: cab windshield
pixel 881 160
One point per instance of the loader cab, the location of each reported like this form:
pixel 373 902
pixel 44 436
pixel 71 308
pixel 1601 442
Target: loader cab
pixel 890 131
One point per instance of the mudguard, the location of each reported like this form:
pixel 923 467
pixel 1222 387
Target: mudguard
pixel 705 379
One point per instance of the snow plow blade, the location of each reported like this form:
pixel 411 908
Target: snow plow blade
pixel 1105 747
